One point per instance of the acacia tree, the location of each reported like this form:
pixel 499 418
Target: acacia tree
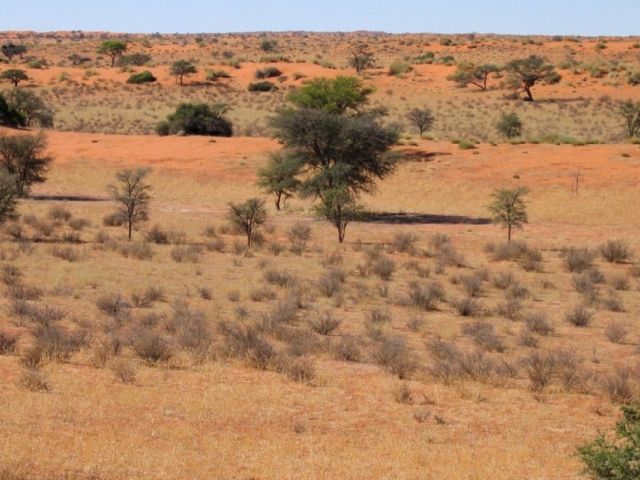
pixel 14 75
pixel 248 216
pixel 342 148
pixel 509 209
pixel 468 73
pixel 182 68
pixel 24 157
pixel 31 107
pixel 112 48
pixel 421 118
pixel 10 50
pixel 278 177
pixel 339 208
pixel 619 459
pixel 526 72
pixel 630 110
pixel 8 196
pixel 132 195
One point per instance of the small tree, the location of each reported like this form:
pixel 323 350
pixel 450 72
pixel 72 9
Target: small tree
pixel 279 177
pixel 9 116
pixel 509 209
pixel 132 194
pixel 630 110
pixel 8 196
pixel 526 72
pixel 471 74
pixel 14 75
pixel 182 68
pixel 615 459
pixel 197 119
pixel 31 107
pixel 509 125
pixel 24 157
pixel 361 59
pixel 112 48
pixel 421 118
pixel 339 208
pixel 248 216
pixel 268 45
pixel 10 50
pixel 337 95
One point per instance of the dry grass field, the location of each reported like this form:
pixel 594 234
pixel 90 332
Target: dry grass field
pixel 422 347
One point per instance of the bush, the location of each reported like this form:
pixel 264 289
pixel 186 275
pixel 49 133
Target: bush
pixel 141 77
pixel 8 343
pixel 393 354
pixel 577 260
pixel 187 253
pixel 538 323
pixel 34 380
pixel 405 242
pixel 580 316
pixel 615 251
pixel 467 307
pixel 616 332
pixel 399 68
pixel 151 347
pixel 425 296
pixel 347 349
pixel 331 282
pixel 299 235
pixel 197 119
pixel 262 87
pixel 509 125
pixel 268 72
pixel 124 370
pixel 113 304
pixel 324 323
pixel 483 334
pixel 540 368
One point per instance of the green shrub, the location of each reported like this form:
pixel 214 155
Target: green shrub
pixel 268 72
pixel 197 119
pixel 262 87
pixel 142 77
pixel 399 68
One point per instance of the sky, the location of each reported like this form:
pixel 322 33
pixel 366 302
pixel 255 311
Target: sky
pixel 565 17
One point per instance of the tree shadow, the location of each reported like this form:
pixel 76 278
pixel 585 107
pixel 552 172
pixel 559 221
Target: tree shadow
pixel 400 218
pixel 422 155
pixel 66 198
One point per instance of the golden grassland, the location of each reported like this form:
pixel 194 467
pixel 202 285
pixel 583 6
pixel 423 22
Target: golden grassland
pixel 206 413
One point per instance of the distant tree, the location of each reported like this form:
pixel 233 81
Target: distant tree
pixel 468 73
pixel 279 177
pixel 112 48
pixel 182 68
pixel 9 116
pixel 31 107
pixel 24 157
pixel 526 72
pixel 617 459
pixel 248 216
pixel 138 59
pixel 421 118
pixel 14 75
pixel 509 209
pixel 10 50
pixel 268 45
pixel 132 196
pixel 361 59
pixel 630 110
pixel 198 119
pixel 337 95
pixel 77 59
pixel 8 196
pixel 338 206
pixel 509 125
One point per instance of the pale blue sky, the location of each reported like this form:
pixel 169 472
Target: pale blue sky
pixel 579 17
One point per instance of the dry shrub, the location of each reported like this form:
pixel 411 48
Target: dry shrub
pixel 379 316
pixel 147 297
pixel 445 365
pixel 537 322
pixel 402 395
pixel 615 251
pixel 299 235
pixel 404 242
pixel 33 358
pixel 540 367
pixel 79 224
pixel 282 312
pixel 137 250
pixel 476 365
pixel 347 349
pixel 151 347
pixel 503 280
pixel 331 282
pixel 471 284
pixel 216 245
pixel 415 323
pixel 394 354
pixel 619 282
pixel 617 385
pixel 186 253
pixel 426 296
pixel 40 314
pixel 613 303
pixel 60 213
pixel 298 369
pixel 21 291
pixel 246 343
pixel 262 293
pixel 58 344
pixel 113 304
pixel 467 307
pixel 34 380
pixel 577 260
pixel 69 254
pixel 279 278
pixel 527 339
pixel 510 309
pixel 324 323
pixel 579 315
pixel 616 332
pixel 124 370
pixel 10 274
pixel 8 343
pixel 483 334
pixel 191 329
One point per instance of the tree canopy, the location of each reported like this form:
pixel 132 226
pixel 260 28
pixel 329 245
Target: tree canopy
pixel 112 48
pixel 526 72
pixel 182 68
pixel 197 119
pixel 468 73
pixel 509 209
pixel 14 75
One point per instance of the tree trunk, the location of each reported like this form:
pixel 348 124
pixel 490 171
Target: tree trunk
pixel 249 235
pixel 278 197
pixel 529 98
pixel 509 234
pixel 130 228
pixel 113 60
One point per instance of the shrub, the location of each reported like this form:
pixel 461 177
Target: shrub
pixel 138 250
pixel 347 349
pixel 8 343
pixel 324 323
pixel 510 308
pixel 186 253
pixel 34 380
pixel 268 72
pixel 617 386
pixel 577 260
pixel 299 235
pixel 616 332
pixel 537 322
pixel 248 344
pixel 262 87
pixel 509 125
pixel 297 369
pixel 393 354
pixel 483 334
pixel 141 77
pixel 280 278
pixel 113 304
pixel 197 119
pixel 399 68
pixel 405 242
pixel 70 254
pixel 467 307
pixel 383 267
pixel 425 296
pixel 580 316
pixel 151 347
pixel 615 251
pixel 540 368
pixel 124 370
pixel 331 282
